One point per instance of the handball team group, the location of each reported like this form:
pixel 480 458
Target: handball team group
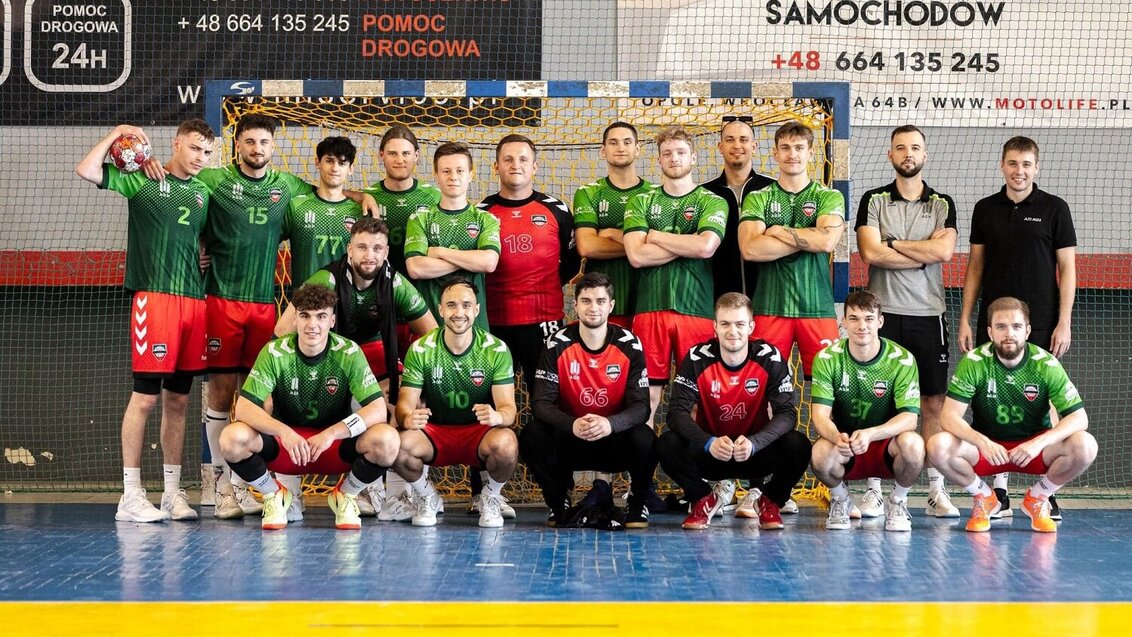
pixel 415 310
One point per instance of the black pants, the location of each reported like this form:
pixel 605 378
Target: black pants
pixel 689 465
pixel 553 456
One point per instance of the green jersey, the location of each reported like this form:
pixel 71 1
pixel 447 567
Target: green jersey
pixel 1013 403
pixel 319 231
pixel 865 394
pixel 450 384
pixel 408 304
pixel 163 233
pixel 797 285
pixel 683 285
pixel 600 205
pixel 245 220
pixel 311 391
pixel 467 229
pixel 394 207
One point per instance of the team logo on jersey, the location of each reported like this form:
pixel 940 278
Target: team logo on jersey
pixel 689 213
pixel 1030 391
pixel 613 372
pixel 716 386
pixel 809 208
pixel 159 351
pixel 332 385
pixel 539 220
pixel 349 223
pixel 473 229
pixel 276 195
pixel 200 199
pixel 574 370
pixel 880 388
pixel 213 345
pixel 751 385
pixel 477 377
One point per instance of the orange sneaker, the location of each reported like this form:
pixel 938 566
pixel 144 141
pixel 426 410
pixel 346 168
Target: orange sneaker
pixel 1037 509
pixel 981 512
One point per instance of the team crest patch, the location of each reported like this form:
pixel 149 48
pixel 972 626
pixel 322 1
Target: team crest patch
pixel 689 213
pixel 332 385
pixel 159 351
pixel 1030 392
pixel 880 388
pixel 539 220
pixel 213 345
pixel 613 372
pixel 200 199
pixel 473 230
pixel 276 195
pixel 349 223
pixel 477 377
pixel 751 385
pixel 809 208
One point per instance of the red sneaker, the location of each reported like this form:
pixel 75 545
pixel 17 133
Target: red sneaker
pixel 769 515
pixel 702 512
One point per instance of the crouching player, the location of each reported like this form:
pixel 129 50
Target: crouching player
pixel 865 407
pixel 295 415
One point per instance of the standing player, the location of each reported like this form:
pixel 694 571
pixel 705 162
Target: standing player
pixel 1009 385
pixel 742 395
pixel 599 217
pixel 591 405
pixel 453 238
pixel 671 233
pixel 906 232
pixel 456 406
pixel 166 219
pixel 731 272
pixel 295 415
pixel 1023 245
pixel 400 194
pixel 865 405
pixel 790 228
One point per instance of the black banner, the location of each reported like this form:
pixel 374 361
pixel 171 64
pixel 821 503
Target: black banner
pixel 104 61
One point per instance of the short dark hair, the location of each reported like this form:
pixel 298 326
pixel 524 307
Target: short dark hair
pixel 256 121
pixel 863 300
pixel 339 147
pixel 515 138
pixel 369 225
pixel 452 148
pixel 455 280
pixel 592 280
pixel 1007 304
pixel 615 125
pixel 734 301
pixel 198 126
pixel 794 129
pixel 398 131
pixel 1020 144
pixel 312 297
pixel 907 128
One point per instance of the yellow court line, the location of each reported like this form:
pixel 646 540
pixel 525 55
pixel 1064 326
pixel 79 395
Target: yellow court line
pixel 599 619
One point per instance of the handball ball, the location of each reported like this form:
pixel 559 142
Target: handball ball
pixel 129 152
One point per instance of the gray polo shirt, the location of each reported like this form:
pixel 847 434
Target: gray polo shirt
pixel 913 292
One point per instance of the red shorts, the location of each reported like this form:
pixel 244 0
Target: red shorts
pixel 329 463
pixel 237 331
pixel 811 334
pixel 622 320
pixel 167 334
pixel 375 354
pixel 1037 466
pixel 455 444
pixel 405 338
pixel 665 334
pixel 874 463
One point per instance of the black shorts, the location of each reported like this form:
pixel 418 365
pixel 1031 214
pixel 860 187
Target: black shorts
pixel 527 343
pixel 926 338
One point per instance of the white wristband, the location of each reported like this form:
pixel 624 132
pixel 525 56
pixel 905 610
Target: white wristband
pixel 355 424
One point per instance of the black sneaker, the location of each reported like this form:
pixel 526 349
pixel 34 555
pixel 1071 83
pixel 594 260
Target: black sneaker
pixel 1004 500
pixel 1054 510
pixel 637 517
pixel 558 514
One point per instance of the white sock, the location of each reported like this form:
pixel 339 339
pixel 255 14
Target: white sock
pixel 935 481
pixel 131 479
pixel 978 487
pixel 1001 480
pixel 899 493
pixel 420 484
pixel 214 423
pixel 874 483
pixel 1044 487
pixel 172 477
pixel 265 484
pixel 351 485
pixel 840 492
pixel 491 487
pixel 395 485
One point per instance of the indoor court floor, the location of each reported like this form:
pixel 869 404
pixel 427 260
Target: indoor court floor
pixel 70 569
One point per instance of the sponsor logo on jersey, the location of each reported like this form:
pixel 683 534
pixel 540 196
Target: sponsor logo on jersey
pixel 880 388
pixel 332 385
pixel 613 372
pixel 477 376
pixel 437 374
pixel 294 385
pixel 237 191
pixel 716 386
pixel 574 370
pixel 1030 391
pixel 992 389
pixel 473 229
pixel 655 210
pixel 539 220
pixel 163 188
pixel 809 208
pixel 160 350
pixel 751 385
pixel 200 199
pixel 689 213
pixel 213 345
pixel 276 195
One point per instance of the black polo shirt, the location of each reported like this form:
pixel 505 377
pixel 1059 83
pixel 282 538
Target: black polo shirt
pixel 729 271
pixel 1021 241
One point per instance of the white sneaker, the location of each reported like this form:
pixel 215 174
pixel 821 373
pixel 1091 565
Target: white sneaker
pixel 297 508
pixel 872 504
pixel 748 508
pixel 426 506
pixel 134 507
pixel 369 502
pixel 207 485
pixel 896 515
pixel 790 508
pixel 506 509
pixel 940 506
pixel 177 506
pixel 491 510
pixel 838 519
pixel 275 507
pixel 398 509
pixel 724 492
pixel 246 500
